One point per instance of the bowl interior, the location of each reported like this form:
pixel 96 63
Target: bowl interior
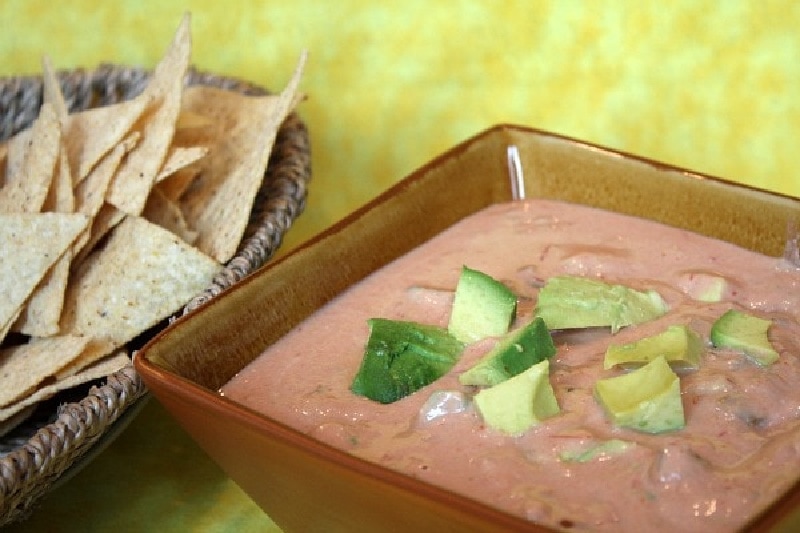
pixel 185 365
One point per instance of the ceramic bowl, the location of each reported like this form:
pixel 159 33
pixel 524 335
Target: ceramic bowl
pixel 305 485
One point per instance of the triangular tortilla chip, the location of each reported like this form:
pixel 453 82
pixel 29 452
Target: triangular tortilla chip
pixel 91 192
pixel 143 274
pixel 180 157
pixel 95 350
pixel 27 191
pixel 40 315
pixel 136 176
pixel 16 148
pixel 6 328
pixel 219 202
pixel 98 370
pixel 101 225
pixel 24 367
pixel 90 198
pixel 174 185
pixel 90 134
pixel 60 197
pixel 51 90
pixel 194 129
pixel 31 243
pixel 42 311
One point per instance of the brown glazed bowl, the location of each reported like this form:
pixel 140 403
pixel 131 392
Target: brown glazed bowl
pixel 307 486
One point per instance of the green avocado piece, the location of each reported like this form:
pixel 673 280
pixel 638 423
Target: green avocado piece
pixel 519 402
pixel 603 449
pixel 704 287
pixel 679 345
pixel 647 399
pixel 513 354
pixel 569 302
pixel 402 357
pixel 482 307
pixel 746 333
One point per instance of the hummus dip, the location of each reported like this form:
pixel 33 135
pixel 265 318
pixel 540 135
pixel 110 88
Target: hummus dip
pixel 739 450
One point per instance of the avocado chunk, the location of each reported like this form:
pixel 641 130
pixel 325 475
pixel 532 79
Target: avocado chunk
pixel 513 354
pixel 402 357
pixel 647 399
pixel 597 450
pixel 482 307
pixel 679 345
pixel 704 287
pixel 520 402
pixel 746 333
pixel 569 302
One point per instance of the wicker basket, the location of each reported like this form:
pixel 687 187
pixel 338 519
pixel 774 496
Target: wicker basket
pixel 35 457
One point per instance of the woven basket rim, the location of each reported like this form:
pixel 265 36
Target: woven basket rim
pixel 32 469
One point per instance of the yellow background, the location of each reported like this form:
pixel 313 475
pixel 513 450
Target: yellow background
pixel 712 86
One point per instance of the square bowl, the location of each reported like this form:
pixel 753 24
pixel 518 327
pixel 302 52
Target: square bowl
pixel 305 485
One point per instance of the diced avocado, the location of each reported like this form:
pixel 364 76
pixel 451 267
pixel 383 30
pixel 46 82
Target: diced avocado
pixel 568 302
pixel 512 355
pixel 402 357
pixel 647 399
pixel 482 307
pixel 520 402
pixel 679 345
pixel 745 332
pixel 606 448
pixel 704 287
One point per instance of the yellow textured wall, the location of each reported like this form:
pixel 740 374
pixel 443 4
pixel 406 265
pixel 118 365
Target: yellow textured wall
pixel 708 85
pixel 713 86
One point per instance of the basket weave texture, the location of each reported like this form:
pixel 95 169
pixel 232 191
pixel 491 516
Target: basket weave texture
pixel 31 465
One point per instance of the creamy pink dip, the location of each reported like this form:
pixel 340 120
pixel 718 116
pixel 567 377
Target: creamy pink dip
pixel 740 448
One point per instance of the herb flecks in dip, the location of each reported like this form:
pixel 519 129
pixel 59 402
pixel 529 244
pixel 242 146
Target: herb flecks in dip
pixel 740 446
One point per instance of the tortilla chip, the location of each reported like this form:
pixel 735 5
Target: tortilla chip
pixel 42 311
pixel 91 134
pixel 194 129
pixel 189 121
pixel 135 179
pixel 99 370
pixel 95 350
pixel 90 193
pixel 16 148
pixel 106 219
pixel 51 91
pixel 90 198
pixel 179 158
pixel 219 202
pixel 91 254
pixel 178 182
pixel 24 367
pixel 167 214
pixel 143 274
pixel 31 244
pixel 6 328
pixel 60 197
pixel 27 191
pixel 41 314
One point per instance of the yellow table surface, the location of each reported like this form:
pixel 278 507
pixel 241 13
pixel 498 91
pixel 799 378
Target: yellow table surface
pixel 712 86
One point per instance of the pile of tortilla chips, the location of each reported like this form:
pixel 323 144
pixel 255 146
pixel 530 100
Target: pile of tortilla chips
pixel 112 219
